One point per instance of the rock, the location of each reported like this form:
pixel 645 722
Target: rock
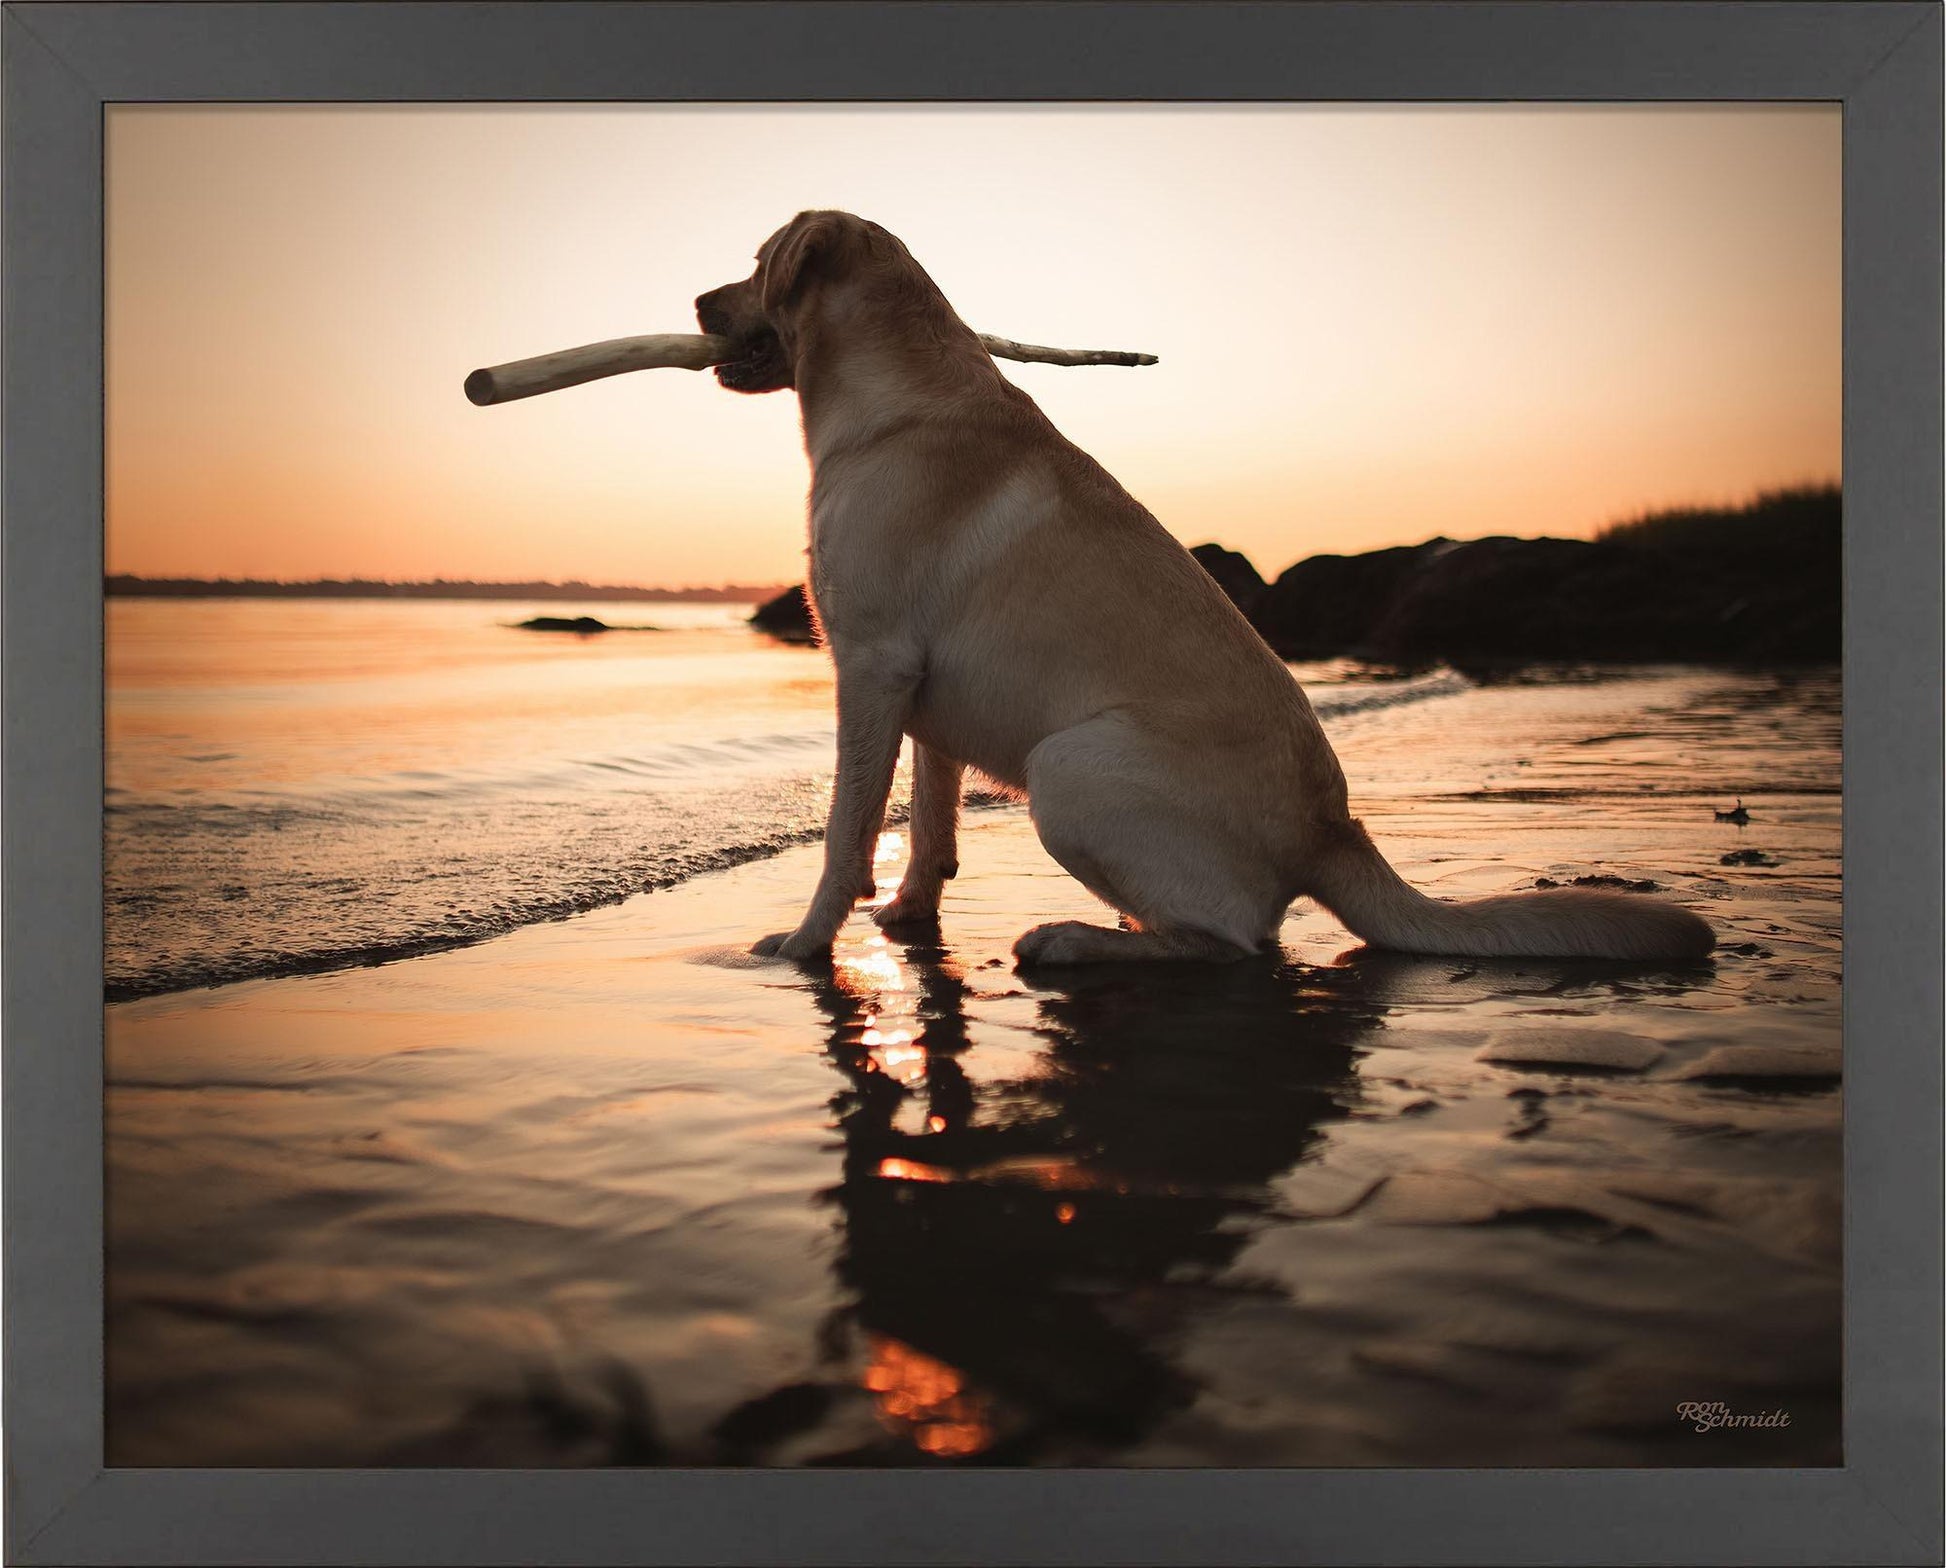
pixel 1233 574
pixel 787 617
pixel 1332 604
pixel 1757 584
pixel 581 625
pixel 1506 600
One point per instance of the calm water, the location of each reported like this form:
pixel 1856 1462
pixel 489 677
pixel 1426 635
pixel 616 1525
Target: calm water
pixel 298 785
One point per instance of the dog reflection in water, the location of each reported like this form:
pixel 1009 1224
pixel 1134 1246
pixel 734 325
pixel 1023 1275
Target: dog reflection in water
pixel 1020 1251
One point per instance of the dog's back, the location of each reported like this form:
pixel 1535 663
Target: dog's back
pixel 1044 593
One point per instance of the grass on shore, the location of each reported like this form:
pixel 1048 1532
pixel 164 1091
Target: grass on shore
pixel 1764 521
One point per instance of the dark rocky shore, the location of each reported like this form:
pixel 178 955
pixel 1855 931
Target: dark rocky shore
pixel 1755 584
pixel 786 617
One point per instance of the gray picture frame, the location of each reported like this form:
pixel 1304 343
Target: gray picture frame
pixel 63 62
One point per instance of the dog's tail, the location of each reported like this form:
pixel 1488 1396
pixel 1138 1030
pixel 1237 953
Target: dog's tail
pixel 1352 880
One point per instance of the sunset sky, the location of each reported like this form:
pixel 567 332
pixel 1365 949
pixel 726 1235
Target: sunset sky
pixel 1375 325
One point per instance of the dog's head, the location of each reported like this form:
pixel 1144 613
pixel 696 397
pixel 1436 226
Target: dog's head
pixel 797 268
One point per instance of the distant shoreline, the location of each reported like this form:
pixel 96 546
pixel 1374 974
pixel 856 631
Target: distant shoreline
pixel 127 586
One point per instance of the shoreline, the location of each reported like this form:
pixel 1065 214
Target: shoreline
pixel 1386 690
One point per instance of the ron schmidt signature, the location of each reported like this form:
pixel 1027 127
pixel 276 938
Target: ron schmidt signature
pixel 1704 1416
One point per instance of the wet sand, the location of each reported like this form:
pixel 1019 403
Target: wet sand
pixel 606 1191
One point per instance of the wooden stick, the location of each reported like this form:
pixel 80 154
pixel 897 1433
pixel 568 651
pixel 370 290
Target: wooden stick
pixel 572 366
pixel 1034 354
pixel 691 351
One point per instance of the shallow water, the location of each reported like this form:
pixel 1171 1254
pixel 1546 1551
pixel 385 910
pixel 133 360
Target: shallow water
pixel 296 785
pixel 607 1191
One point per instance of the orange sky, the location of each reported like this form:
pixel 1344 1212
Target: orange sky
pixel 1376 325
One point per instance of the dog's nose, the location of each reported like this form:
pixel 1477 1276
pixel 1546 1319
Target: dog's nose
pixel 710 316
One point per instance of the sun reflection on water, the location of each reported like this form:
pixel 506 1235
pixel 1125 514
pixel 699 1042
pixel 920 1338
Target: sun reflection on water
pixel 927 1400
pixel 894 1169
pixel 871 969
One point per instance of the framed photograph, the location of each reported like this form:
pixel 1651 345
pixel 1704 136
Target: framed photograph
pixel 1295 918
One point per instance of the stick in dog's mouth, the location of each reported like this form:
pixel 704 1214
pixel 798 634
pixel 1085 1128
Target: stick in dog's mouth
pixel 569 367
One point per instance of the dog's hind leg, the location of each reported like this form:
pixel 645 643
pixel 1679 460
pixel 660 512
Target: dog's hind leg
pixel 1107 806
pixel 1077 942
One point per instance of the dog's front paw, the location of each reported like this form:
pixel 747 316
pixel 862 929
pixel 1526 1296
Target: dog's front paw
pixel 793 945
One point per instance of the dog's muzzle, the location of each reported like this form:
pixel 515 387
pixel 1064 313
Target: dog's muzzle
pixel 760 365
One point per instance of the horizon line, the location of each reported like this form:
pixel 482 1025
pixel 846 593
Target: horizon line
pixel 113 581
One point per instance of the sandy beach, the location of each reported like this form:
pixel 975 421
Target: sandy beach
pixel 605 1190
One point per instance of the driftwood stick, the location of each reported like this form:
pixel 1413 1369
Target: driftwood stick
pixel 569 367
pixel 1034 354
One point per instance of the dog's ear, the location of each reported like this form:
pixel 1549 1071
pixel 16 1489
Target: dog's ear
pixel 806 239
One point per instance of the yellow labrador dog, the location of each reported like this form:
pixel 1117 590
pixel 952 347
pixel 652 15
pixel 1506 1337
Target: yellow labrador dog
pixel 988 589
